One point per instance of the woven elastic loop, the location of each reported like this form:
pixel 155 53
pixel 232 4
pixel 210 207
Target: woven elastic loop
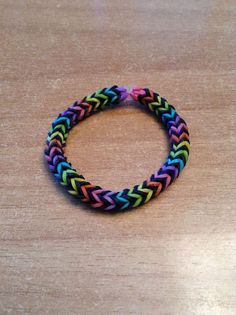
pixel 94 195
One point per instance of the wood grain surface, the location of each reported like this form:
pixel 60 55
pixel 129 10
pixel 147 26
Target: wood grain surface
pixel 175 255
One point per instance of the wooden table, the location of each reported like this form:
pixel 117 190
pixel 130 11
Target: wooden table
pixel 175 255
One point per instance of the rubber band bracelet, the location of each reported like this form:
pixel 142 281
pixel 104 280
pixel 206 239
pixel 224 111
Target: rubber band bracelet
pixel 94 195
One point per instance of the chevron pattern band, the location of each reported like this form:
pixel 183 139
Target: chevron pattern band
pixel 96 196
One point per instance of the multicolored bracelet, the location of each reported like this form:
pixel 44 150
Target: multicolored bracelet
pixel 96 196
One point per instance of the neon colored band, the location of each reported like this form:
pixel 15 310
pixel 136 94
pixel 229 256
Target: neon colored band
pixel 96 196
